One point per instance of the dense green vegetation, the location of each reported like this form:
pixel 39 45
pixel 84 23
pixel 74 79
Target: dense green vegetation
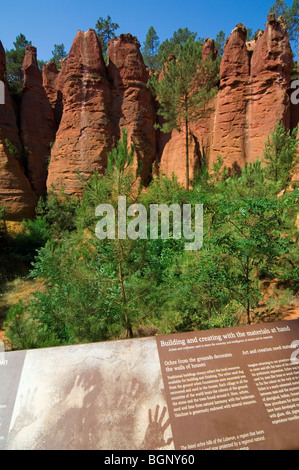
pixel 106 289
pixel 96 290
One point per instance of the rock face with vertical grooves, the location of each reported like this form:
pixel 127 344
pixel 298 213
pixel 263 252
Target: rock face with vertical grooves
pixel 85 133
pixel 83 108
pixel 53 88
pixel 16 194
pixel 133 106
pixel 253 97
pixel 37 124
pixel 230 120
pixel 268 98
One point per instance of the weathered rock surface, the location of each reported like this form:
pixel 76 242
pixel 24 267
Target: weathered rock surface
pixel 133 106
pixel 37 124
pixel 85 133
pixel 268 98
pixel 8 120
pixel 16 194
pixel 53 88
pixel 253 97
pixel 209 49
pixel 231 106
pixel 84 107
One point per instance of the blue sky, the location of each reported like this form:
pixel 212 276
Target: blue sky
pixel 51 22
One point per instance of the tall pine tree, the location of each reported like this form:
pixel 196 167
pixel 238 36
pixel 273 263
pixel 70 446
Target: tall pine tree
pixel 150 49
pixel 187 83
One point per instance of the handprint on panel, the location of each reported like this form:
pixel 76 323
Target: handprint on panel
pixel 154 436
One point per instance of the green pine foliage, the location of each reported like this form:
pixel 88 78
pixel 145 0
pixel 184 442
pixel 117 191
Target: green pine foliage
pixel 105 30
pixel 150 49
pixel 188 82
pixel 97 290
pixel 58 54
pixel 14 61
pixel 281 155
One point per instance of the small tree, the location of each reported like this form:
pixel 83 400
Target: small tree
pixel 105 30
pixel 57 54
pixel 279 8
pixel 150 49
pixel 14 61
pixel 187 83
pixel 171 46
pixel 220 42
pixel 281 155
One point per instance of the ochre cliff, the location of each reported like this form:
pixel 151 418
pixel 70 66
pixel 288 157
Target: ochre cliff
pixel 253 96
pixel 133 105
pixel 80 110
pixel 37 123
pixel 16 194
pixel 85 133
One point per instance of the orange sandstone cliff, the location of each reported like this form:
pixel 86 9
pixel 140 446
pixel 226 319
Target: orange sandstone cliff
pixel 69 119
pixel 253 96
pixel 16 193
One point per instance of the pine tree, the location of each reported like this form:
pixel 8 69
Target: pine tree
pixel 105 30
pixel 220 42
pixel 14 61
pixel 187 83
pixel 281 155
pixel 150 49
pixel 57 54
pixel 293 25
pixel 171 46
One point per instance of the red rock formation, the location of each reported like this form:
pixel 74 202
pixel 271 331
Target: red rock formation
pixel 53 88
pixel 231 107
pixel 268 98
pixel 253 96
pixel 133 106
pixel 85 133
pixel 92 103
pixel 37 123
pixel 8 121
pixel 16 194
pixel 209 49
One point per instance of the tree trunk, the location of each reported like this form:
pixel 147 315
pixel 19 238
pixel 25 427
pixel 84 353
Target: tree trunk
pixel 187 154
pixel 129 332
pixel 209 309
pixel 248 301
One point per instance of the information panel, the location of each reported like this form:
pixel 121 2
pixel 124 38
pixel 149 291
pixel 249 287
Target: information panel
pixel 233 388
